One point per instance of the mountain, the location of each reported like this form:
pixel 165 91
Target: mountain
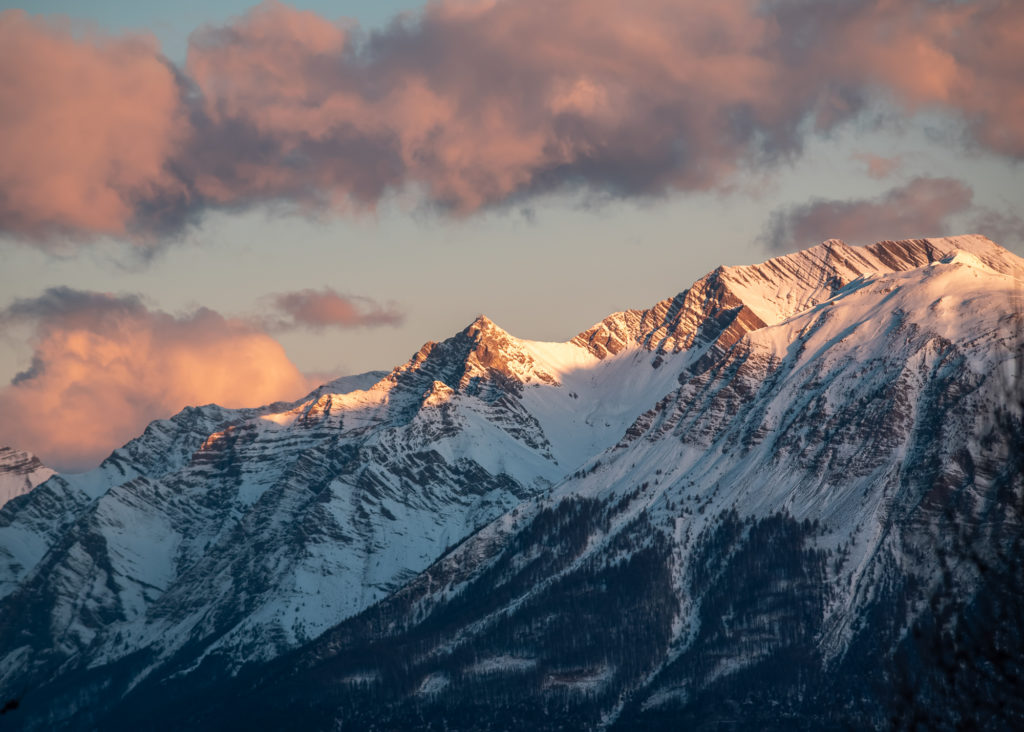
pixel 20 472
pixel 752 503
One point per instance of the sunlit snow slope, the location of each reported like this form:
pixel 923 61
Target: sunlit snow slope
pixel 825 408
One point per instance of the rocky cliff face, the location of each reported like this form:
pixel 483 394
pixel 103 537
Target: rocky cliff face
pixel 230 536
pixel 727 507
pixel 20 472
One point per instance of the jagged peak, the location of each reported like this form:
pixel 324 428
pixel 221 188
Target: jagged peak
pixel 482 322
pixel 18 460
pixel 481 359
pixel 783 286
pixel 989 253
pixel 483 328
pixel 731 300
pixel 20 472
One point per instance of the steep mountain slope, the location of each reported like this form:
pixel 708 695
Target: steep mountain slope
pixel 757 547
pixel 715 499
pixel 30 527
pixel 20 472
pixel 720 307
pixel 223 554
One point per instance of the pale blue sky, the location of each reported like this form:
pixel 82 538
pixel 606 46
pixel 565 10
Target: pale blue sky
pixel 171 22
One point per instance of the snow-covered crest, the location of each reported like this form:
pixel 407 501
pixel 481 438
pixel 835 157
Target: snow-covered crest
pixel 20 472
pixel 749 390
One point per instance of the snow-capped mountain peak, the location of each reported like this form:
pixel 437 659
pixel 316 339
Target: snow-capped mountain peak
pixel 732 300
pixel 827 403
pixel 20 472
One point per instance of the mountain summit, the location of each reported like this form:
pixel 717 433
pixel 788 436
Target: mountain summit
pixel 745 502
pixel 20 472
pixel 725 304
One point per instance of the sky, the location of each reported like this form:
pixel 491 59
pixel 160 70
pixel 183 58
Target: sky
pixel 225 202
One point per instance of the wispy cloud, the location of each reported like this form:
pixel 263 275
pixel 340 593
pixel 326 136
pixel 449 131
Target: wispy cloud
pixel 105 365
pixel 922 207
pixel 471 104
pixel 319 309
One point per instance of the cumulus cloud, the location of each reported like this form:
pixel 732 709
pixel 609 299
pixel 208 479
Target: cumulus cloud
pixel 104 366
pixel 472 104
pixel 922 207
pixel 319 309
pixel 89 130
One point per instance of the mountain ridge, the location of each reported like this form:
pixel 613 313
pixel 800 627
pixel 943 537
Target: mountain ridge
pixel 280 522
pixel 20 472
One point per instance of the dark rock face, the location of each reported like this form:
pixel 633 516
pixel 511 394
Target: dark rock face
pixel 816 522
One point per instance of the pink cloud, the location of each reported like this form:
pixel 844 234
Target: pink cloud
pixel 104 366
pixel 89 125
pixel 922 207
pixel 960 56
pixel 472 104
pixel 628 98
pixel 318 309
